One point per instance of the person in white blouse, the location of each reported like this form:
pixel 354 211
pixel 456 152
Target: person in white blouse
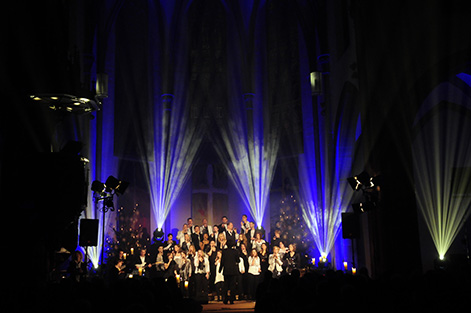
pixel 201 274
pixel 275 263
pixel 253 274
pixel 219 278
pixel 283 249
pixel 178 256
pixel 257 243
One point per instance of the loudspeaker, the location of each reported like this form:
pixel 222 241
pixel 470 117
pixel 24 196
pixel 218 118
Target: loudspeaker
pixel 350 227
pixel 88 233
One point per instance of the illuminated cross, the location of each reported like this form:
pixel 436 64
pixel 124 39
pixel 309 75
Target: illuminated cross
pixel 209 191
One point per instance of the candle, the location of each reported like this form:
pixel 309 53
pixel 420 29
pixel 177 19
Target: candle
pixel 125 256
pixel 313 261
pixel 345 265
pixel 132 251
pixel 354 270
pixel 140 271
pixel 178 279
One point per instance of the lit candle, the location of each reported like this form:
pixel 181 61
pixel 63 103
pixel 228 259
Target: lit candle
pixel 186 284
pixel 140 271
pixel 313 261
pixel 354 270
pixel 132 251
pixel 125 256
pixel 178 279
pixel 345 265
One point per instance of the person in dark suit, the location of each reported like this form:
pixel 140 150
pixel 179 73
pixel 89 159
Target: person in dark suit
pixel 142 260
pixel 230 269
pixel 250 235
pixel 223 225
pixel 169 245
pixel 230 235
pixel 196 237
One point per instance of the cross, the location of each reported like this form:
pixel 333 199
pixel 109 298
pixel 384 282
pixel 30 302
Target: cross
pixel 210 191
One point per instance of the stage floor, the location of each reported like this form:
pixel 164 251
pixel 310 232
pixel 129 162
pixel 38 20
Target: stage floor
pixel 237 307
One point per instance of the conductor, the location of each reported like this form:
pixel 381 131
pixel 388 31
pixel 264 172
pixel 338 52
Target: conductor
pixel 230 269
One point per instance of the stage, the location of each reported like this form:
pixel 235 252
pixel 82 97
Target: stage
pixel 238 306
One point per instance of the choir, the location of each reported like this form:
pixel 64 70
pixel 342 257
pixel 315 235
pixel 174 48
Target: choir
pixel 211 263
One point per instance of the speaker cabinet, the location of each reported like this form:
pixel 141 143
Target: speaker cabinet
pixel 350 226
pixel 88 233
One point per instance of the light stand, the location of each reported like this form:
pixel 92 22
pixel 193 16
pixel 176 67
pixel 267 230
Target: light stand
pixel 107 206
pixel 353 252
pixel 105 192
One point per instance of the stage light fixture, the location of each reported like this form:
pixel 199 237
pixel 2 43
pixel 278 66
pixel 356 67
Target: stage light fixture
pixel 102 85
pixel 362 180
pixel 66 103
pixel 261 230
pixel 112 183
pixel 316 83
pixel 158 233
pixel 98 186
pixel 354 183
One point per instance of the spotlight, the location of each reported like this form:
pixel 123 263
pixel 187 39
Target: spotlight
pixel 158 233
pixel 441 263
pixel 98 186
pixel 316 83
pixel 261 230
pixel 354 183
pixel 362 179
pixel 112 183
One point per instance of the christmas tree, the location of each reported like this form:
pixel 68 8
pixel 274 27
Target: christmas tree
pixel 293 228
pixel 130 236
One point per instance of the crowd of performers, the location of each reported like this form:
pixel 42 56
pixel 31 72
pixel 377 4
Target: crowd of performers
pixel 217 260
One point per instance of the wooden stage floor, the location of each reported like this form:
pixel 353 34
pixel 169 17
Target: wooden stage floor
pixel 237 307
